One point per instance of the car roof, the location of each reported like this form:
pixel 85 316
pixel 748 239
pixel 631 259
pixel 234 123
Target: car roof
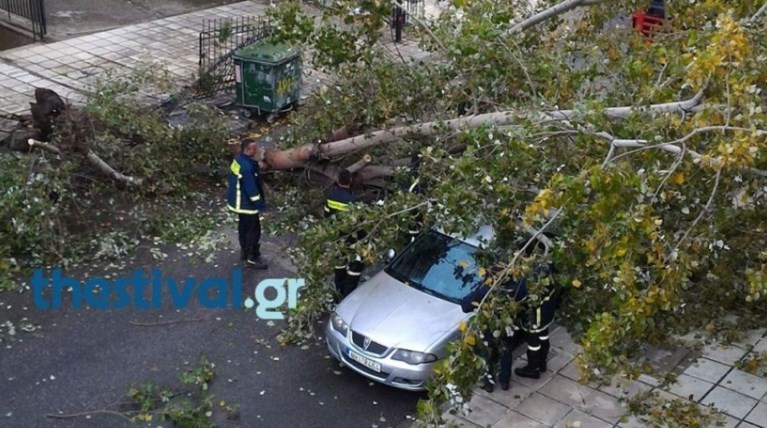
pixel 484 235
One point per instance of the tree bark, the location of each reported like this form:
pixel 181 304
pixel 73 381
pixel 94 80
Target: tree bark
pixel 96 161
pixel 299 156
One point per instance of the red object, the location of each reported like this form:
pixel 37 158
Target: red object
pixel 646 23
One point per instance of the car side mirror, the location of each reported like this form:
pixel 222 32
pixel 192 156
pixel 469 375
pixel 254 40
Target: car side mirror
pixel 390 254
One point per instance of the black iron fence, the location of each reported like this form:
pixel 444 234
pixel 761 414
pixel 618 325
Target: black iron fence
pixel 28 13
pixel 219 39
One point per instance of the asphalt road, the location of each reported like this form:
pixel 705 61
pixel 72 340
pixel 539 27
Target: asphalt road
pixel 84 360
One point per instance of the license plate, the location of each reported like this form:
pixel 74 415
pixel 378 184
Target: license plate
pixel 372 365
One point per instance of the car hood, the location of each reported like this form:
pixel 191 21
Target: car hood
pixel 396 315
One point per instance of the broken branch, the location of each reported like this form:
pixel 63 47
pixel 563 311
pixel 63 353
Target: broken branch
pixel 96 161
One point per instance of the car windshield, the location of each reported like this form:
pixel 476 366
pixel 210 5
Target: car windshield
pixel 438 265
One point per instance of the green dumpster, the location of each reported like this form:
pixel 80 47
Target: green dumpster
pixel 267 77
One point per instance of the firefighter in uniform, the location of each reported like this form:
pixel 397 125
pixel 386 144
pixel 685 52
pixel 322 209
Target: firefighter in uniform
pixel 539 316
pixel 347 274
pixel 511 337
pixel 246 198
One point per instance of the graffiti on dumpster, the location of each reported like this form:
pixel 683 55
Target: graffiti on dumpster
pixel 284 85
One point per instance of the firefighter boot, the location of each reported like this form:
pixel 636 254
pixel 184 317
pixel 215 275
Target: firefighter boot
pixel 545 345
pixel 532 369
pixel 489 384
pixel 255 261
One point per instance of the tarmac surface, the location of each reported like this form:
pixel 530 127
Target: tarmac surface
pixel 83 361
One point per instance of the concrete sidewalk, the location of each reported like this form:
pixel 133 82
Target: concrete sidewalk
pixel 70 67
pixel 558 399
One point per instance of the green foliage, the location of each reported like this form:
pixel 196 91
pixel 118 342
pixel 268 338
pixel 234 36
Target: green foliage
pixel 655 411
pixel 59 209
pixel 185 409
pixel 30 218
pixel 659 232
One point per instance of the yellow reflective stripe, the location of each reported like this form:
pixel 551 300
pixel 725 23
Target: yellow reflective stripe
pixel 235 168
pixel 255 198
pixel 339 206
pixel 240 210
pixel 239 195
pixel 415 183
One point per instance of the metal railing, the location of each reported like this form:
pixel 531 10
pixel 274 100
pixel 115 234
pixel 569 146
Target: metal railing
pixel 30 13
pixel 218 40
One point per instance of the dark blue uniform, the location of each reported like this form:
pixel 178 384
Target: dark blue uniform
pixel 517 291
pixel 338 200
pixel 246 198
pixel 347 275
pixel 538 318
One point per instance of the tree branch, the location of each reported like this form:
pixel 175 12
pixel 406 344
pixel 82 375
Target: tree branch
pixel 672 146
pixel 703 211
pixel 360 164
pixel 94 160
pixel 759 13
pixel 546 14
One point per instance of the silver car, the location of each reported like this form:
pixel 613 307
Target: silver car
pixel 394 327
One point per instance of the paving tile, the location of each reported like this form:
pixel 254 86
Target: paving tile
pixel 558 359
pixel 570 371
pixel 758 415
pixel 760 346
pixel 690 388
pixel 517 420
pixel 625 389
pixel 664 360
pixel 585 420
pixel 745 383
pixel 567 391
pixel 708 370
pixel 543 409
pixel 605 407
pixel 485 411
pixel 749 425
pixel 648 380
pixel 631 422
pixel 457 421
pixel 562 339
pixel 532 383
pixel 724 354
pixel 751 337
pixel 511 398
pixel 730 422
pixel 730 402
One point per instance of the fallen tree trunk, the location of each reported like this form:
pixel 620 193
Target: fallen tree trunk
pixel 299 156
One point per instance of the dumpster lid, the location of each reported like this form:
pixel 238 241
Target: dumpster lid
pixel 267 52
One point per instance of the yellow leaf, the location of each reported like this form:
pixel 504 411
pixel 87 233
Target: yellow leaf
pixel 469 340
pixel 482 271
pixel 576 283
pixel 678 178
pixel 462 326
